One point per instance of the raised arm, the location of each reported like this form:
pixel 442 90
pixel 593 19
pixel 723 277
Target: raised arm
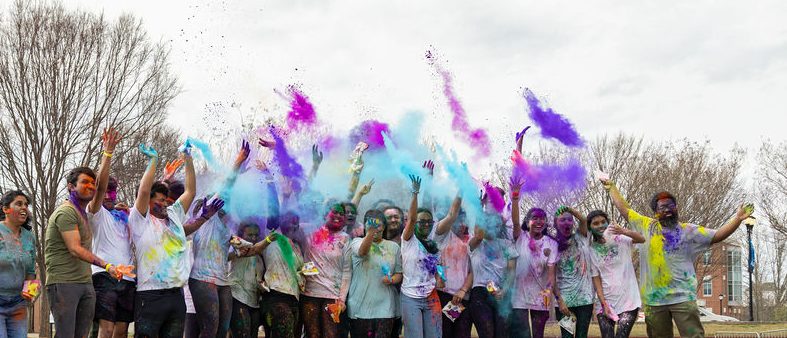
pixel 206 212
pixel 445 224
pixel 143 194
pixel 744 211
pixel 617 198
pixel 583 224
pixel 636 236
pixel 317 157
pixel 371 231
pixel 356 167
pixel 191 182
pixel 109 138
pixel 478 237
pixel 520 136
pixel 365 189
pixel 409 226
pixel 516 185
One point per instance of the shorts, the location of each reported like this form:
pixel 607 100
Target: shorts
pixel 114 298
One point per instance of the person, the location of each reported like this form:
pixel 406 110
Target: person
pixel 535 270
pixel 377 269
pixel 574 292
pixel 158 233
pixel 329 249
pixel 209 284
pixel 245 277
pixel 451 235
pixel 493 259
pixel 421 311
pixel 393 232
pixel 667 278
pixel 613 275
pixel 67 244
pixel 17 263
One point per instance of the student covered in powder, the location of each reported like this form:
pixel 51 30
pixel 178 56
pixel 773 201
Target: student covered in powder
pixel 574 292
pixel 158 232
pixel 17 264
pixel 67 251
pixel 535 271
pixel 209 282
pixel 421 311
pixel 245 278
pixel 668 281
pixel 613 274
pixel 325 294
pixel 451 235
pixel 393 232
pixel 377 269
pixel 493 258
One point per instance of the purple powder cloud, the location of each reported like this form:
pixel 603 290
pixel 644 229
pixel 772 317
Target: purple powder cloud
pixel 288 166
pixel 301 112
pixel 371 132
pixel 552 125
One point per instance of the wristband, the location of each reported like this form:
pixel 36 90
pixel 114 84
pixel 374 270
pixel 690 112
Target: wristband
pixel 106 267
pixel 515 195
pixel 107 154
pixel 268 239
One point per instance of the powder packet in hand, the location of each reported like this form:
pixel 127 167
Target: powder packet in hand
pixel 601 176
pixel 492 287
pixel 309 269
pixel 569 323
pixel 452 311
pixel 335 312
pixel 31 289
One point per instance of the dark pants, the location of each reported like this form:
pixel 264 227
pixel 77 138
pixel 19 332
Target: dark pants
pixel 488 314
pixel 461 327
pixel 213 304
pixel 73 306
pixel 317 320
pixel 377 328
pixel 191 329
pixel 583 313
pixel 686 315
pixel 159 313
pixel 245 322
pixel 114 298
pixel 396 330
pixel 520 323
pixel 280 315
pixel 625 323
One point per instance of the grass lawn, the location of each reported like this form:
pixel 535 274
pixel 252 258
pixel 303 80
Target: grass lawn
pixel 553 330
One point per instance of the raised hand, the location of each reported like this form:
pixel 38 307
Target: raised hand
pixel 266 143
pixel 429 166
pixel 316 156
pixel 148 151
pixel 479 233
pixel 520 136
pixel 415 183
pixel 745 211
pixel 615 229
pixel 171 168
pixel 515 183
pixel 366 188
pixel 244 152
pixel 561 209
pixel 110 139
pixel 210 209
pixel 186 148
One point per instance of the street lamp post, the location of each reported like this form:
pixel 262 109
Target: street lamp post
pixel 721 298
pixel 750 222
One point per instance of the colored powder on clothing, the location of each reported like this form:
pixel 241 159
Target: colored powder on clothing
pixel 552 125
pixel 286 252
pixel 476 138
pixel 301 112
pixel 288 166
pixel 671 238
pixel 495 198
pixel 371 132
pixel 429 264
pixel 119 216
pixel 659 270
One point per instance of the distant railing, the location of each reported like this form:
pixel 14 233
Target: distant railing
pixel 765 334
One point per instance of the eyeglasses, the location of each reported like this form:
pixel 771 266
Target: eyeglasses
pixel 425 222
pixel 665 206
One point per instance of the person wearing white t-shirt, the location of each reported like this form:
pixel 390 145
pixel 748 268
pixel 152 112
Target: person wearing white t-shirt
pixel 421 312
pixel 574 292
pixel 613 275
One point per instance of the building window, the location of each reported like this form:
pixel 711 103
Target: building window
pixel 707 287
pixel 734 275
pixel 706 258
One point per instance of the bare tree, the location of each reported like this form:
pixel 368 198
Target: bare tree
pixel 129 165
pixel 64 76
pixel 772 184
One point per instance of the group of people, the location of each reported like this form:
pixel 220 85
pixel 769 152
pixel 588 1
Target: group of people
pixel 177 264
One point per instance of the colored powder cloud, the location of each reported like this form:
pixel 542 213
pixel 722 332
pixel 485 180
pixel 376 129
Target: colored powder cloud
pixel 554 177
pixel 301 112
pixel 371 132
pixel 288 166
pixel 494 196
pixel 552 124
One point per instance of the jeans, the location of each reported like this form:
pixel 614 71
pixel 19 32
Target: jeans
pixel 213 304
pixel 520 323
pixel 422 316
pixel 584 314
pixel 625 323
pixel 13 317
pixel 245 322
pixel 73 306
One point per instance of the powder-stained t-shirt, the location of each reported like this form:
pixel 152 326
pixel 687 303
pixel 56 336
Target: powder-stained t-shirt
pixel 111 238
pixel 211 249
pixel 573 272
pixel 17 260
pixel 282 266
pixel 61 265
pixel 161 249
pixel 455 259
pixel 419 268
pixel 532 277
pixel 612 262
pixel 245 276
pixel 330 252
pixel 667 258
pixel 490 261
pixel 369 298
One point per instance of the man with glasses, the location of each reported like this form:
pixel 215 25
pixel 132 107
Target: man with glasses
pixel 667 278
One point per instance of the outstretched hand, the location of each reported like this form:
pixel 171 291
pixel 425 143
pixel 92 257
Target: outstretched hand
pixel 429 166
pixel 266 143
pixel 317 156
pixel 171 168
pixel 520 136
pixel 415 183
pixel 110 139
pixel 366 188
pixel 210 209
pixel 745 211
pixel 186 148
pixel 243 154
pixel 148 151
pixel 515 183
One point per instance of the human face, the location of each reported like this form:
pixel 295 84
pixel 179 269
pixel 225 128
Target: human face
pixel 565 224
pixel 423 225
pixel 394 219
pixel 289 224
pixel 251 234
pixel 537 223
pixel 666 209
pixel 158 205
pixel 460 228
pixel 335 219
pixel 110 198
pixel 351 213
pixel 598 225
pixel 377 224
pixel 17 212
pixel 85 188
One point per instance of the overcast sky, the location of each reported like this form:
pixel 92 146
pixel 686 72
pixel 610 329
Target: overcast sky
pixel 713 70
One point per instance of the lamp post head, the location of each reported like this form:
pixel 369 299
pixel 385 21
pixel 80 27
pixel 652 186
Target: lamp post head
pixel 721 297
pixel 750 222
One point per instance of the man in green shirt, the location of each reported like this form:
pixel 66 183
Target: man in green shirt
pixel 67 252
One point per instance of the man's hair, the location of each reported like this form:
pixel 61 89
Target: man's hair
pixel 112 184
pixel 595 213
pixel 420 210
pixel 73 175
pixel 529 216
pixel 660 196
pixel 398 209
pixel 160 188
pixel 176 188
